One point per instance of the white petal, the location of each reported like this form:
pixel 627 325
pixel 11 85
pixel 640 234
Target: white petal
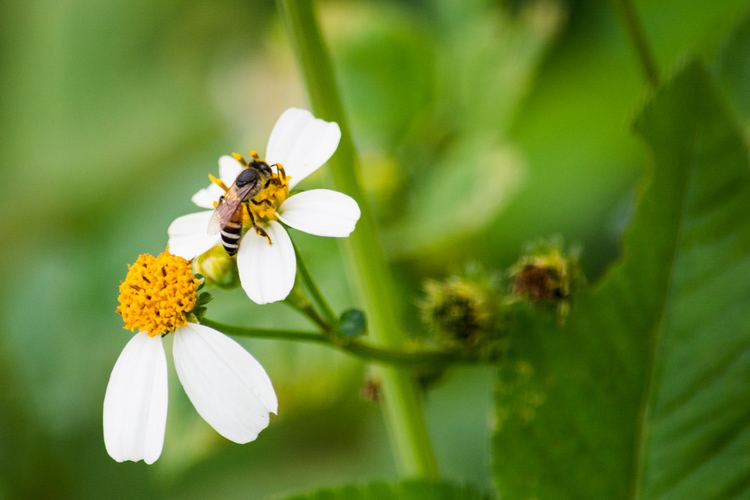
pixel 227 386
pixel 135 405
pixel 206 197
pixel 267 271
pixel 321 212
pixel 301 143
pixel 188 235
pixel 229 169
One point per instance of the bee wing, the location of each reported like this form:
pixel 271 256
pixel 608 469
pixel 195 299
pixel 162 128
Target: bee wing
pixel 214 225
pixel 228 206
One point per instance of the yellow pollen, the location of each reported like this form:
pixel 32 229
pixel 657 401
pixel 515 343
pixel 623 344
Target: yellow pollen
pixel 157 294
pixel 276 192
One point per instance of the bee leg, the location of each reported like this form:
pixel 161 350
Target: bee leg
pixel 280 170
pixel 258 230
pixel 261 202
pixel 262 233
pixel 254 154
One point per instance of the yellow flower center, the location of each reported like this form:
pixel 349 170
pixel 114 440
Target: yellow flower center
pixel 276 192
pixel 157 294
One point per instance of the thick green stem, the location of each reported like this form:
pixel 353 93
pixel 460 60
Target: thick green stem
pixel 404 414
pixel 638 39
pixel 364 351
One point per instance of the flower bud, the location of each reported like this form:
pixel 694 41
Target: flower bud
pixel 547 274
pixel 218 267
pixel 462 310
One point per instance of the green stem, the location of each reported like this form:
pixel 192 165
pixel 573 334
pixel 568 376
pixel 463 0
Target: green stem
pixel 404 414
pixel 638 38
pixel 267 333
pixel 358 349
pixel 314 291
pixel 426 358
pixel 309 311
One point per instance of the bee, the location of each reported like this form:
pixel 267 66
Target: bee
pixel 228 214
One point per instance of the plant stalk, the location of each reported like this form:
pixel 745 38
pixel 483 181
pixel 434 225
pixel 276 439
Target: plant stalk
pixel 314 291
pixel 638 38
pixel 404 415
pixel 353 347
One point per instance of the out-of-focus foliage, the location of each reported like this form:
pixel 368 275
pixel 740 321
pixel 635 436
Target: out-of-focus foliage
pixel 481 125
pixel 408 490
pixel 733 68
pixel 664 336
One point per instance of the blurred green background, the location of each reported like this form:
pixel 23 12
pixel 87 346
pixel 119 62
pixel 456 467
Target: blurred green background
pixel 481 125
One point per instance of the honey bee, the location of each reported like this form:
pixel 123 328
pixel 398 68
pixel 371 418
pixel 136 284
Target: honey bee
pixel 228 214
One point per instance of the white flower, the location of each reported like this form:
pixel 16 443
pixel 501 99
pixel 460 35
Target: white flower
pixel 300 143
pixel 227 386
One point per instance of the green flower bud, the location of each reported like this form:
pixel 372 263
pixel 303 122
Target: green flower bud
pixel 217 267
pixel 462 310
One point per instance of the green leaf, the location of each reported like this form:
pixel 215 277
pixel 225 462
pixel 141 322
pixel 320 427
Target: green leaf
pixel 352 323
pixel 644 394
pixel 733 68
pixel 407 490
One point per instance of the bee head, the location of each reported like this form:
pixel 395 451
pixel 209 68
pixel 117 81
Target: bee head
pixel 247 176
pixel 261 167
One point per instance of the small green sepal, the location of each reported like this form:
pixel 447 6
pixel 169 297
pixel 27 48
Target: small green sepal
pixel 352 323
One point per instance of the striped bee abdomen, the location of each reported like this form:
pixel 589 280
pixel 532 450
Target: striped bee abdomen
pixel 230 236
